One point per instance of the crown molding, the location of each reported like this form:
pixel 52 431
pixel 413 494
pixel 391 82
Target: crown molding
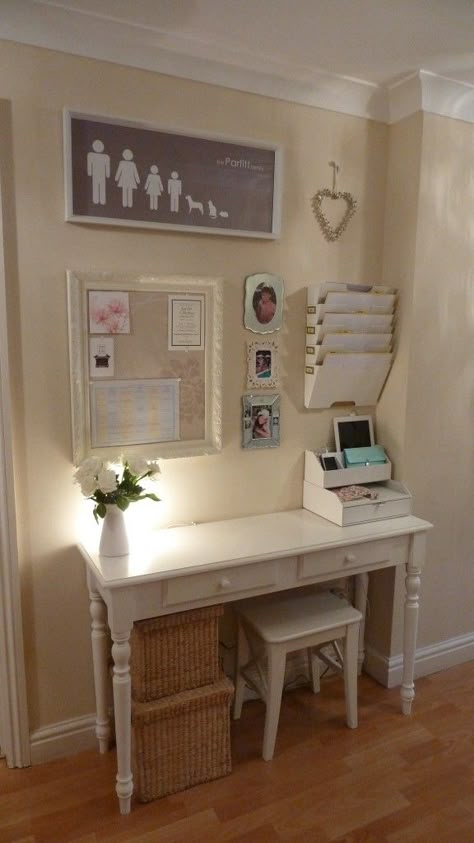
pixel 425 91
pixel 48 24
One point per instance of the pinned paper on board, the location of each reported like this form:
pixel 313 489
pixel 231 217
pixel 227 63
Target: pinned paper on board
pixel 101 357
pixel 185 322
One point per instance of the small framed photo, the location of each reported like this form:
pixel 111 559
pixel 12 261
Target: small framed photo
pixel 353 432
pixel 262 364
pixel 260 421
pixel 263 303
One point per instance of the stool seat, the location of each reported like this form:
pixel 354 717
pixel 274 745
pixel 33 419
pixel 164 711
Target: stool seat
pixel 268 629
pixel 289 618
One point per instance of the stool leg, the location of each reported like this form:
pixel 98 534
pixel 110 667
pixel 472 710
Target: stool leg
pixel 314 672
pixel 242 657
pixel 351 645
pixel 276 677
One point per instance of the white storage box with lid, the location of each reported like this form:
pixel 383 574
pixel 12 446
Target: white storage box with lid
pixel 393 500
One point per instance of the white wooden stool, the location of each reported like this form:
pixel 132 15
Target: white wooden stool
pixel 267 631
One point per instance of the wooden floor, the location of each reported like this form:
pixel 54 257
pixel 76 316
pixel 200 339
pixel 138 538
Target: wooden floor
pixel 393 779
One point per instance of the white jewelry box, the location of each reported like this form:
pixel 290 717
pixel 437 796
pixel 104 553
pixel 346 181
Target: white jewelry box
pixel 393 500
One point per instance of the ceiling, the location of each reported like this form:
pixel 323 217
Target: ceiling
pixel 292 47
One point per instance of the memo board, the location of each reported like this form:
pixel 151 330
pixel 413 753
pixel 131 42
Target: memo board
pixel 145 364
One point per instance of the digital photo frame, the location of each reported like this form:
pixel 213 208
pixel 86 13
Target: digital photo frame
pixel 353 432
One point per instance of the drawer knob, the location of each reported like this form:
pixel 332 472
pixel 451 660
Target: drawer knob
pixel 224 583
pixel 350 558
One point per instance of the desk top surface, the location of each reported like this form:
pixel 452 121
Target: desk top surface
pixel 181 551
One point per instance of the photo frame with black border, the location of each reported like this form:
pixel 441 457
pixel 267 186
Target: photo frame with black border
pixel 353 432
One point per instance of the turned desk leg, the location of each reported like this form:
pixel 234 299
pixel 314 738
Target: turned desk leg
pixel 360 600
pixel 98 613
pixel 412 604
pixel 122 707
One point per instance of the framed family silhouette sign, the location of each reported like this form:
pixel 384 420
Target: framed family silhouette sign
pixel 133 174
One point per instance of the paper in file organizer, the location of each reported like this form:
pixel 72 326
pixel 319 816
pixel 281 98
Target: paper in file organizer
pixel 346 378
pixel 317 292
pixel 345 344
pixel 348 323
pixel 357 303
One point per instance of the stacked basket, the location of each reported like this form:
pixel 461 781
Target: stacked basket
pixel 180 703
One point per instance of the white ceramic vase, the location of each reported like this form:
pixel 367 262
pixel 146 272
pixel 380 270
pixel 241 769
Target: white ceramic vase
pixel 113 539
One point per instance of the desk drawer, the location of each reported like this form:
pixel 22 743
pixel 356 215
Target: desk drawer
pixel 220 583
pixel 340 560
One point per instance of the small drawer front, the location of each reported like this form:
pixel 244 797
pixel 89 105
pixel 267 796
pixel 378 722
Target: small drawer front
pixel 220 583
pixel 342 559
pixel 375 511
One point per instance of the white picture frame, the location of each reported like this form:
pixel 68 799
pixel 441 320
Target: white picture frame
pixel 141 356
pixel 263 312
pixel 122 172
pixel 263 367
pixel 353 432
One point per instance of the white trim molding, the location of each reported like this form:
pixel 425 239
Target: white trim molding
pixel 78 734
pixel 64 738
pixel 440 656
pixel 13 701
pixel 88 33
pixel 424 91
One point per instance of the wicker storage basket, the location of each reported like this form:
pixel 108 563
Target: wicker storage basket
pixel 182 740
pixel 175 653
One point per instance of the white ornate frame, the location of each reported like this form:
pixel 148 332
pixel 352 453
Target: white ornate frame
pixel 78 285
pixel 252 282
pixel 253 380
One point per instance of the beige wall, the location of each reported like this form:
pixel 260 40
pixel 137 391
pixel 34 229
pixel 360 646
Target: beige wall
pixel 439 451
pixel 400 238
pixel 424 417
pixel 39 84
pixel 427 407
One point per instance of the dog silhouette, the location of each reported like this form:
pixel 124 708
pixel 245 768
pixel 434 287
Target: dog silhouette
pixel 212 209
pixel 192 205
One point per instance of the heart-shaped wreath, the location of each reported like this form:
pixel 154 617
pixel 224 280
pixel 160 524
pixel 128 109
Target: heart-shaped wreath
pixel 328 230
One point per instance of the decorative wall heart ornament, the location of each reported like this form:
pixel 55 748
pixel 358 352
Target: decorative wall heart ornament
pixel 329 232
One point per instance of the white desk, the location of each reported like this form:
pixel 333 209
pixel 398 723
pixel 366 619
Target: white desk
pixel 186 567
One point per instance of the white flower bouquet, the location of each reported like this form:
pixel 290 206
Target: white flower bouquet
pixel 101 483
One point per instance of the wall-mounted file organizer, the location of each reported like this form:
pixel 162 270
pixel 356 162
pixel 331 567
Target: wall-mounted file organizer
pixel 349 331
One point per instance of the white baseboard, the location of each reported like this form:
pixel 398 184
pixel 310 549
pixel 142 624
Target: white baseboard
pixel 440 656
pixel 64 738
pixel 78 734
